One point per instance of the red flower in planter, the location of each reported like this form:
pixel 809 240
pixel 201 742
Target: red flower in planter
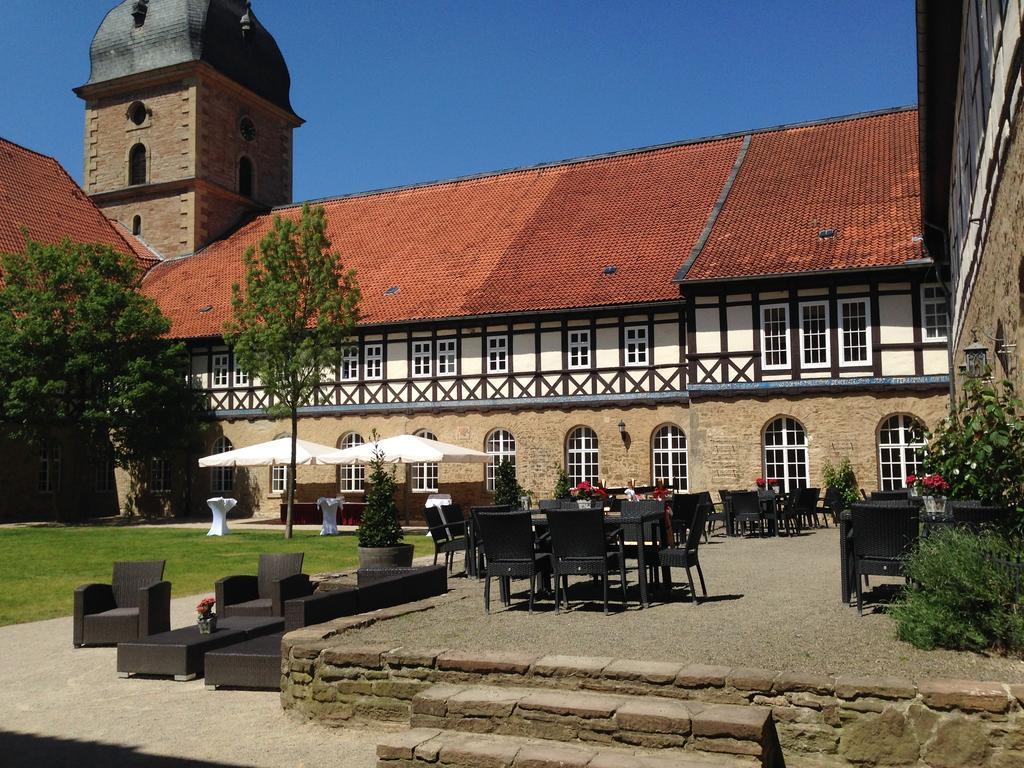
pixel 205 607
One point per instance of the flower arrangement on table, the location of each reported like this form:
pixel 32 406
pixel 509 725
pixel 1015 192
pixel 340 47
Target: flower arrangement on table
pixel 205 617
pixel 587 491
pixel 771 482
pixel 928 485
pixel 661 493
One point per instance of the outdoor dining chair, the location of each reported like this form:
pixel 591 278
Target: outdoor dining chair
pixel 279 578
pixel 508 544
pixel 136 603
pixel 684 506
pixel 746 511
pixel 976 516
pixel 447 531
pixel 685 556
pixel 899 494
pixel 883 534
pixel 807 506
pixel 475 551
pixel 581 546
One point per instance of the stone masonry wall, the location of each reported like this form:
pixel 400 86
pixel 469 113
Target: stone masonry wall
pixel 837 721
pixel 998 291
pixel 724 441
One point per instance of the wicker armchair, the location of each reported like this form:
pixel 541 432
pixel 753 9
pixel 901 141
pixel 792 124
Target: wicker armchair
pixel 448 532
pixel 883 534
pixel 580 546
pixel 510 552
pixel 279 578
pixel 686 555
pixel 136 603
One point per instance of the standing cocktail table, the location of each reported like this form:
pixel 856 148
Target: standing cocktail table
pixel 180 653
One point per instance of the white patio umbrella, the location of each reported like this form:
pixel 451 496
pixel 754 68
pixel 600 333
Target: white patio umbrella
pixel 270 453
pixel 407 449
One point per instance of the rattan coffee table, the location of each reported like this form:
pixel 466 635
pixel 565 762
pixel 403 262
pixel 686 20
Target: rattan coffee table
pixel 180 653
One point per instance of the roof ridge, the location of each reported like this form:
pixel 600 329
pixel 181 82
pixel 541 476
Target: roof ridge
pixel 582 159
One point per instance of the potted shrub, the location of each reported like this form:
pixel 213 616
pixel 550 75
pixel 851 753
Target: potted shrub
pixel 561 490
pixel 380 535
pixel 507 491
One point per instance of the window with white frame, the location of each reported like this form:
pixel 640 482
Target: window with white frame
pixel 582 460
pixel 278 478
pixel 241 377
pixel 636 345
pixel 785 453
pixel 424 474
pixel 497 354
pixel 221 369
pixel 447 359
pixel 421 359
pixel 352 477
pixel 350 363
pixel 775 336
pixel 222 479
pixel 104 468
pixel 933 310
pixel 668 457
pixel 814 334
pixel 854 330
pixel 373 361
pixel 579 349
pixel 901 445
pixel 159 475
pixel 501 445
pixel 49 468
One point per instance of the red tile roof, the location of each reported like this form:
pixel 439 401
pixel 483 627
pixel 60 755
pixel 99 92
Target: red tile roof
pixel 857 176
pixel 38 195
pixel 540 238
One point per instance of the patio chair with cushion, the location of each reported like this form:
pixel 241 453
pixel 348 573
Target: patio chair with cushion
pixel 136 603
pixel 581 546
pixel 448 532
pixel 508 545
pixel 279 578
pixel 686 555
pixel 883 533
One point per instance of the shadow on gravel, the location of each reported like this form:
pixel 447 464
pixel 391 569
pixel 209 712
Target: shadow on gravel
pixel 20 749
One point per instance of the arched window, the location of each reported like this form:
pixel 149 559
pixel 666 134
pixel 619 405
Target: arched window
pixel 137 165
pixel 424 476
pixel 581 456
pixel 245 177
pixel 668 457
pixel 785 453
pixel 137 226
pixel 502 446
pixel 222 480
pixel 351 477
pixel 900 440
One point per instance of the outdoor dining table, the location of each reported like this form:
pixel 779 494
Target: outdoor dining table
pixel 220 507
pixel 329 507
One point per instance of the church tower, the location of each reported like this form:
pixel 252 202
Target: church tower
pixel 188 120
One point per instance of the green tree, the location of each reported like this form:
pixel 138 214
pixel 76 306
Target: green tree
pixel 83 353
pixel 842 478
pixel 293 319
pixel 379 526
pixel 561 490
pixel 507 490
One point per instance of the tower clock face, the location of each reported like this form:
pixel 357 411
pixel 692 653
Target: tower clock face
pixel 247 129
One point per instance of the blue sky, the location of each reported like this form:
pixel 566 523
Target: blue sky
pixel 401 91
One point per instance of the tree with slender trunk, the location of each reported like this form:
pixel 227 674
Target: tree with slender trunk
pixel 293 319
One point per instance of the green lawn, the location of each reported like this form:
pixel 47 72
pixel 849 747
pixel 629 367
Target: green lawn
pixel 40 567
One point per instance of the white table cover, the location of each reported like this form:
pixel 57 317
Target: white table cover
pixel 329 507
pixel 220 508
pixel 438 500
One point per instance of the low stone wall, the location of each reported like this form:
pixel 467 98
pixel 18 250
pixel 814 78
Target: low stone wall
pixel 849 720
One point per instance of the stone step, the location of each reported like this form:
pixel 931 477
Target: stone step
pixel 437 748
pixel 647 722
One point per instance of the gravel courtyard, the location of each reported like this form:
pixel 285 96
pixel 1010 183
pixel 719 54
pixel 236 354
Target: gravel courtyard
pixel 773 603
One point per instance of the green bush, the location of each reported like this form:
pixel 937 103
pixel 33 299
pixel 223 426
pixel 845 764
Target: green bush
pixel 979 448
pixel 561 484
pixel 507 490
pixel 841 477
pixel 956 597
pixel 379 525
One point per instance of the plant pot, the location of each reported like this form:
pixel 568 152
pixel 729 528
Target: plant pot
pixel 207 626
pixel 399 556
pixel 584 504
pixel 935 505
